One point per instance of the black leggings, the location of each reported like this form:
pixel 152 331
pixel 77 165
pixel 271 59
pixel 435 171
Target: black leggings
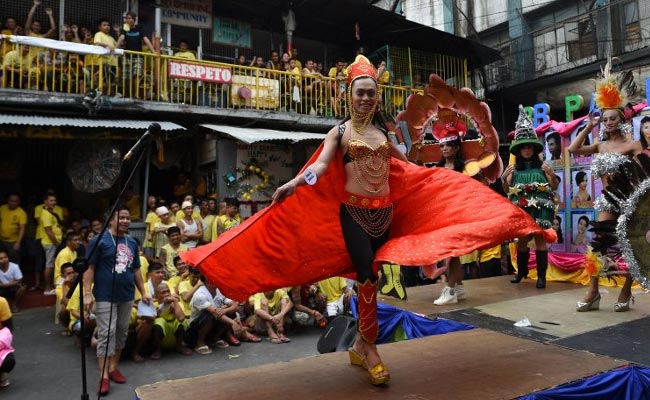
pixel 361 246
pixel 8 364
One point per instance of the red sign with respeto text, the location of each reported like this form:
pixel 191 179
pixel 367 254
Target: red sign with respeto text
pixel 196 72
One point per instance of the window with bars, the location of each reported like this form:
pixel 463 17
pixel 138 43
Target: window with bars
pixel 581 38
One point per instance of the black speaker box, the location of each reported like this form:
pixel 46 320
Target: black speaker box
pixel 339 335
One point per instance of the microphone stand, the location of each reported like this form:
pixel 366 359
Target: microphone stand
pixel 80 265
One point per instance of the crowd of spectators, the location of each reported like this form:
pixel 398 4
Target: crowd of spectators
pixel 305 85
pixel 188 315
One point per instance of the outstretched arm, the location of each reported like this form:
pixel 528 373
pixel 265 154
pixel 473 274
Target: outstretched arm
pixel 52 30
pixel 30 17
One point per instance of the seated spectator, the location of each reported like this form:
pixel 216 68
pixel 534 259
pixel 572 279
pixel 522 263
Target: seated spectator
pixel 383 75
pixel 230 317
pixel 144 324
pixel 184 52
pixel 187 287
pixel 169 251
pixel 18 72
pixel 337 294
pixel 169 326
pixel 90 323
pixel 205 324
pixel 241 60
pixel 7 358
pixel 308 305
pixel 174 208
pixel 68 277
pixel 181 274
pixel 11 281
pixel 270 309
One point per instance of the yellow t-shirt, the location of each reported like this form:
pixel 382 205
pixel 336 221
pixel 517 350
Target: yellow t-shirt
pixel 488 254
pixel 469 258
pixel 185 286
pixel 66 255
pixel 208 221
pixel 16 61
pixel 185 54
pixel 384 78
pixel 333 287
pixel 274 303
pixel 7 45
pixel 10 222
pixel 170 254
pixel 144 267
pixel 333 72
pixel 101 37
pixel 74 305
pixel 225 221
pixel 49 220
pixel 149 222
pixel 134 205
pixel 5 311
pixel 180 214
pixel 58 210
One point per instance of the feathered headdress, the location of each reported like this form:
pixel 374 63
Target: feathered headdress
pixel 614 90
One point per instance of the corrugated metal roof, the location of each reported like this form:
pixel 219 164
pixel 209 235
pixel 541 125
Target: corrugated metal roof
pixel 252 135
pixel 13 119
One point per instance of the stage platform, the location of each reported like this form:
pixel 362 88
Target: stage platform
pixel 494 361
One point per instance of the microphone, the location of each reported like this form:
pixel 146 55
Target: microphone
pixel 153 130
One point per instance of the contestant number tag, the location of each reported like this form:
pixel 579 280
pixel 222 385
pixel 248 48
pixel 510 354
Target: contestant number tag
pixel 310 177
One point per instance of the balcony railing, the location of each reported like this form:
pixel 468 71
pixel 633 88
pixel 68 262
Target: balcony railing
pixel 163 78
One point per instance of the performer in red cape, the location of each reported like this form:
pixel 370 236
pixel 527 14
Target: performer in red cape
pixel 356 204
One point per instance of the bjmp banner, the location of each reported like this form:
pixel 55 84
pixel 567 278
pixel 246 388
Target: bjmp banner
pixel 195 72
pixel 192 13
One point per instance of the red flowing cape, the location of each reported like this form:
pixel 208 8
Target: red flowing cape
pixel 438 213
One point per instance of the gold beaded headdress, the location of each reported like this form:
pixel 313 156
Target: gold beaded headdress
pixel 361 67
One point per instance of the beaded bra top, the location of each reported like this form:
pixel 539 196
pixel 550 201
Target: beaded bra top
pixel 371 166
pixel 358 149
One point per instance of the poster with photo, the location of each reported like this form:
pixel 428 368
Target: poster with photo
pixel 641 124
pixel 589 139
pixel 554 150
pixel 581 189
pixel 559 225
pixel 580 236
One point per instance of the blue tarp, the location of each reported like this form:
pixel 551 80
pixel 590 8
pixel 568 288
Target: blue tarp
pixel 392 319
pixel 627 383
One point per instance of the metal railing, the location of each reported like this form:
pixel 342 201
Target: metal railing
pixel 163 78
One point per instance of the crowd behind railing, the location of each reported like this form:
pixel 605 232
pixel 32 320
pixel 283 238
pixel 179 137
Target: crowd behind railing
pixel 142 71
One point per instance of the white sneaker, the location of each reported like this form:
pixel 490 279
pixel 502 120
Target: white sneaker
pixel 460 291
pixel 448 296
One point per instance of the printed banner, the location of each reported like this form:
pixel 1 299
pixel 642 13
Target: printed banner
pixel 195 72
pixel 231 32
pixel 192 13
